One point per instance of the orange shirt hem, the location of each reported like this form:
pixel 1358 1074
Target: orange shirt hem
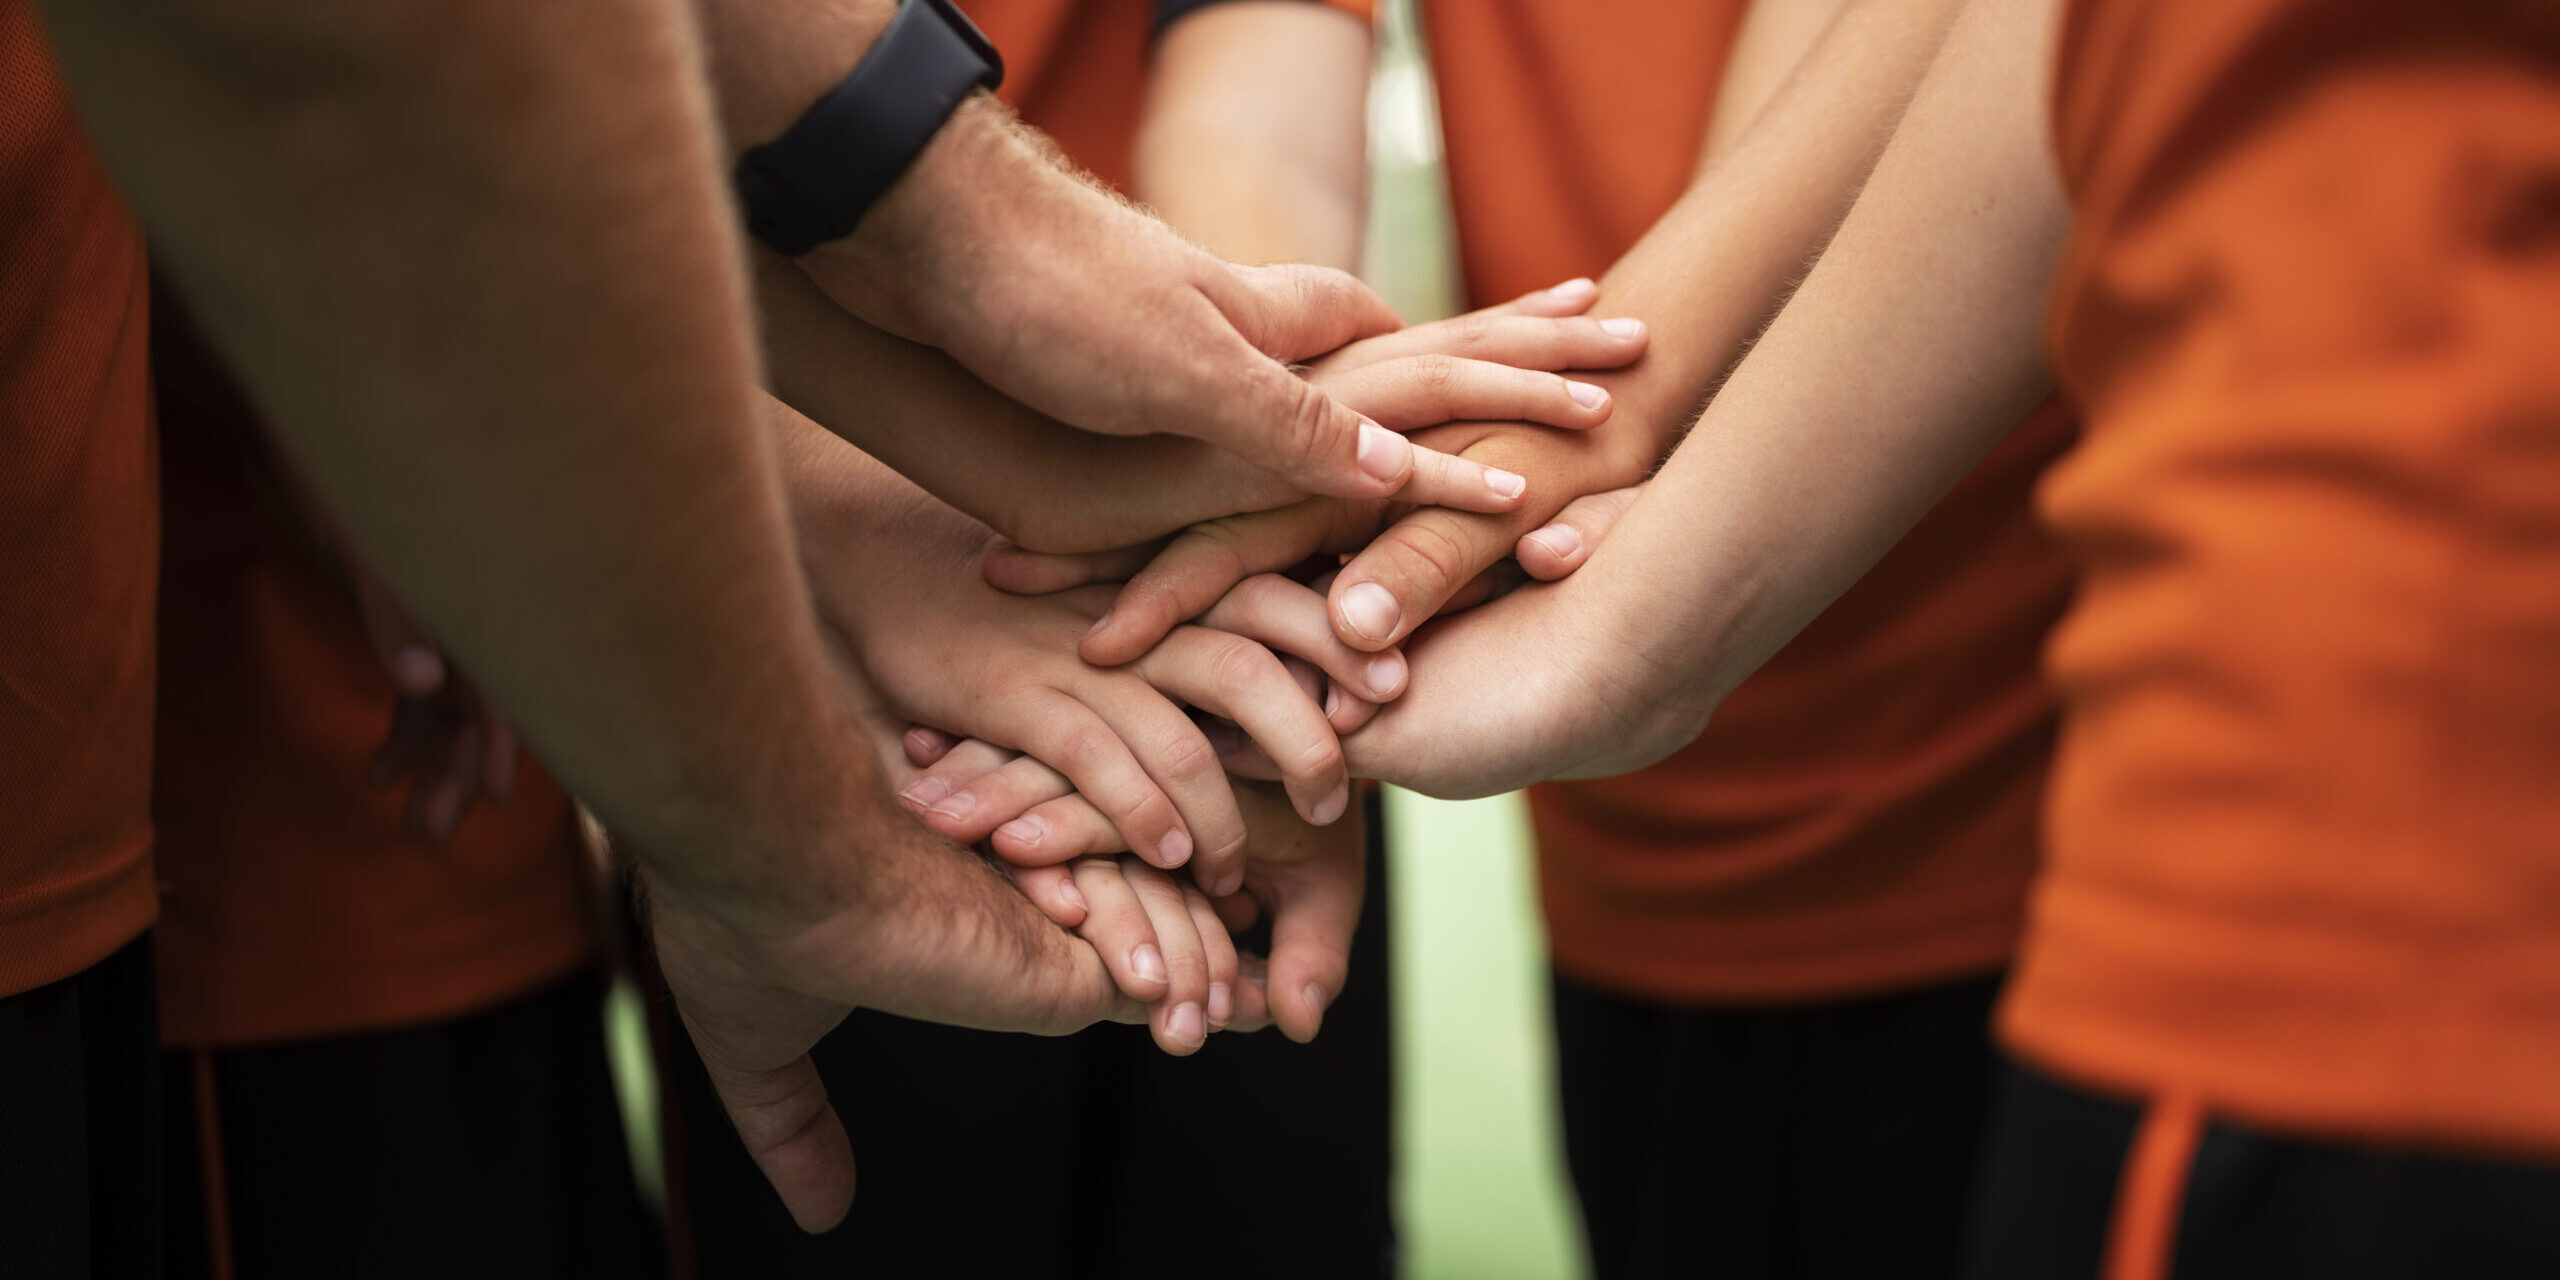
pixel 2449 1041
pixel 1680 956
pixel 62 933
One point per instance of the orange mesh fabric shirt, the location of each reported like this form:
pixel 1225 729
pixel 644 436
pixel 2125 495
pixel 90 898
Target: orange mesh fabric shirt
pixel 79 538
pixel 2305 830
pixel 1861 814
pixel 293 903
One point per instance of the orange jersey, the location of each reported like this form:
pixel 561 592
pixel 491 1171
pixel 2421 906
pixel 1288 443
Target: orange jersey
pixel 2305 830
pixel 1077 69
pixel 79 537
pixel 293 903
pixel 1861 814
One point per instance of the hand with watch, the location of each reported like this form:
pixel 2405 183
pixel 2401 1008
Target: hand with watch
pixel 921 205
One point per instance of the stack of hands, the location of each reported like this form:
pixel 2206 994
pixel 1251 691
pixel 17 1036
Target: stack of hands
pixel 1123 558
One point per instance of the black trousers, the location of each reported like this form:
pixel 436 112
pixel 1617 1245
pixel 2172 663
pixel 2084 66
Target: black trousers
pixel 80 1124
pixel 1092 1155
pixel 1804 1142
pixel 486 1146
pixel 2255 1206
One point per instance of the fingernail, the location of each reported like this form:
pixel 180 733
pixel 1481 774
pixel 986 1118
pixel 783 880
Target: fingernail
pixel 1185 1026
pixel 1578 289
pixel 1384 673
pixel 1069 894
pixel 1099 623
pixel 1222 1004
pixel 1315 999
pixel 1623 327
pixel 1146 962
pixel 921 793
pixel 1024 830
pixel 1505 484
pixel 1371 610
pixel 1587 394
pixel 1560 540
pixel 1176 848
pixel 1228 887
pixel 959 804
pixel 1331 806
pixel 415 667
pixel 1384 455
pixel 1332 704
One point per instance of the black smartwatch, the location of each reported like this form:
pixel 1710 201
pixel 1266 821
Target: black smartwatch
pixel 812 184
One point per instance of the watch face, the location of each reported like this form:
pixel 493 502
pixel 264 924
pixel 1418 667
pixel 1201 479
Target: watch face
pixel 968 31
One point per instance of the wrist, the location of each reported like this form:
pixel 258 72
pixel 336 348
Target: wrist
pixel 938 203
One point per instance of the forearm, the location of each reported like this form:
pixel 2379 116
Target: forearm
pixel 1254 139
pixel 1911 349
pixel 1713 269
pixel 487 297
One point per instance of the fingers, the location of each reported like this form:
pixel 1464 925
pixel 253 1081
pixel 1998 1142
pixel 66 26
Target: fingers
pixel 1035 573
pixel 1091 751
pixel 1062 829
pixel 1119 929
pixel 448 781
pixel 925 745
pixel 1205 561
pixel 1563 544
pixel 1552 344
pixel 955 768
pixel 407 653
pixel 997 797
pixel 1283 423
pixel 1053 890
pixel 1448 482
pixel 794 1136
pixel 413 727
pixel 1571 298
pixel 1218 951
pixel 1230 676
pixel 1402 579
pixel 1311 928
pixel 500 753
pixel 1425 390
pixel 1181 1019
pixel 1292 619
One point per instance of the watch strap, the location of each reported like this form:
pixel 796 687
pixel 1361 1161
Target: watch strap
pixel 814 183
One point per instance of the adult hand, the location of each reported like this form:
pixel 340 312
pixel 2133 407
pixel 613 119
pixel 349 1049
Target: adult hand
pixel 1077 304
pixel 1407 565
pixel 907 923
pixel 1049 486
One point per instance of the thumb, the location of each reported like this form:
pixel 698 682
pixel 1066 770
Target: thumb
pixel 1296 312
pixel 1312 921
pixel 1563 544
pixel 793 1133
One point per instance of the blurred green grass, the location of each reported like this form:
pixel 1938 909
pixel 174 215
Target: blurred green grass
pixel 1480 1191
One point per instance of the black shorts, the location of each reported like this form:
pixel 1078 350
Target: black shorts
pixel 487 1145
pixel 2246 1205
pixel 80 1124
pixel 1029 1158
pixel 1816 1141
